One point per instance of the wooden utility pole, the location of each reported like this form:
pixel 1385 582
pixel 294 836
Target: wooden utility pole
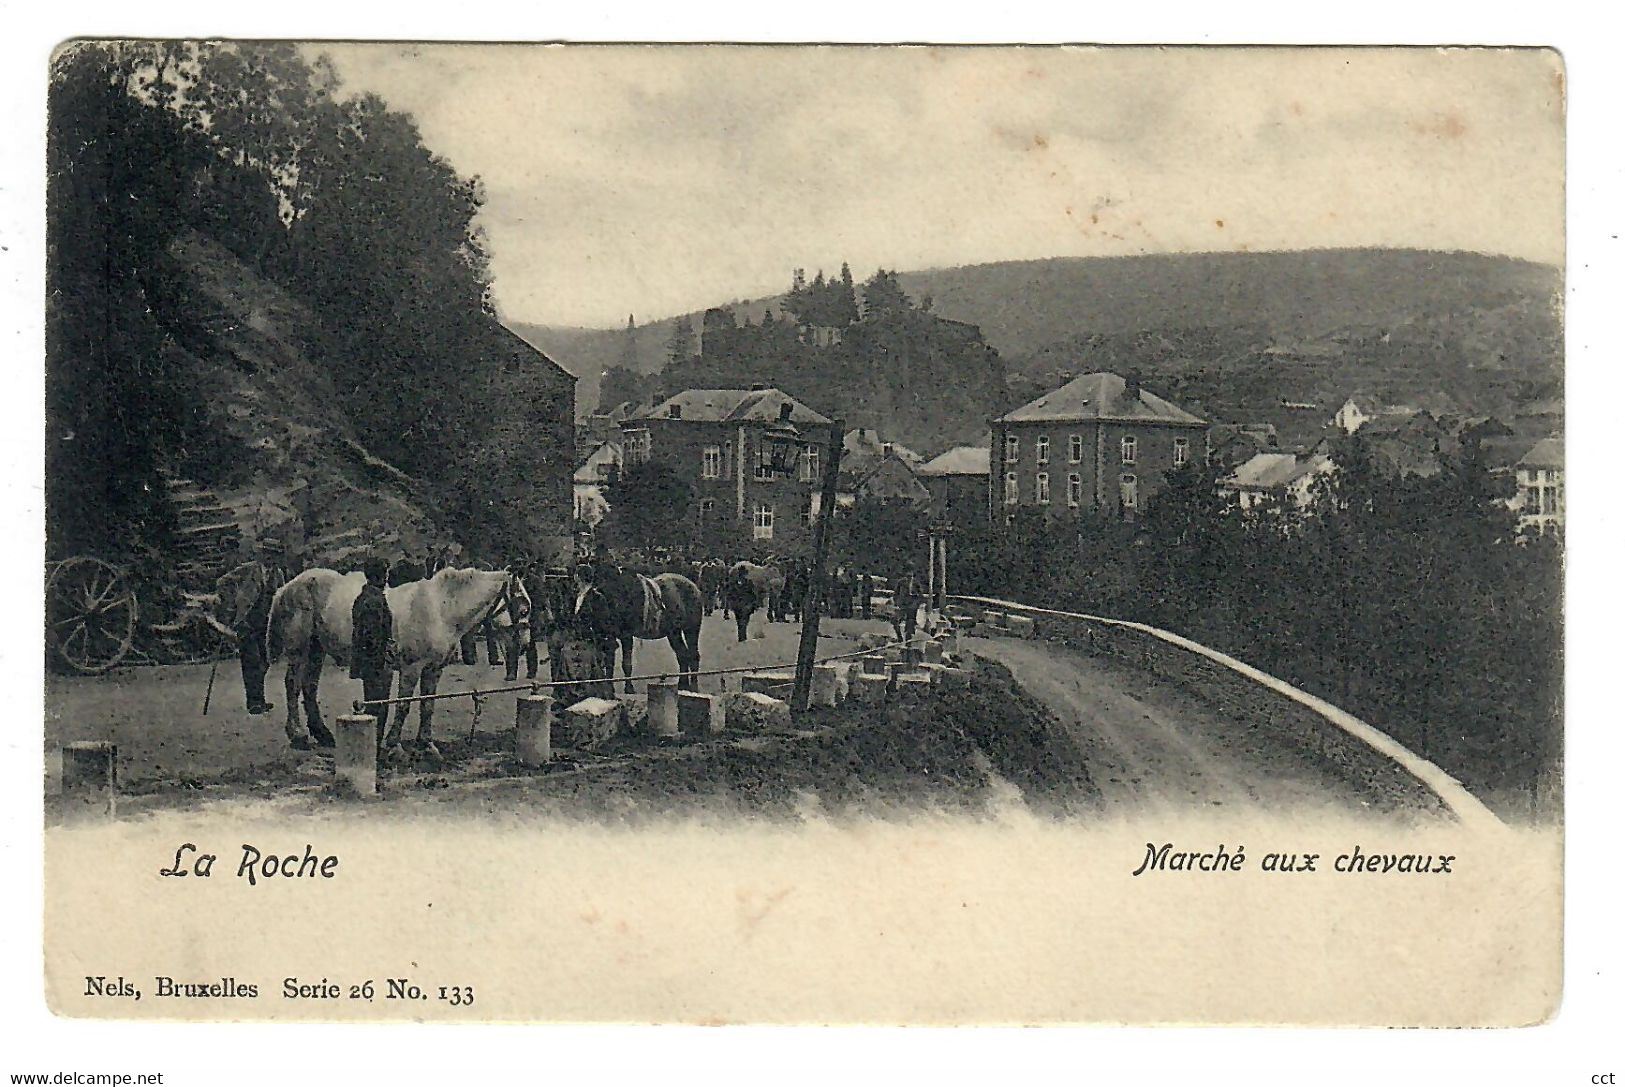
pixel 808 651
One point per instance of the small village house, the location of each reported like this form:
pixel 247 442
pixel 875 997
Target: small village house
pixel 592 476
pixel 1539 497
pixel 1277 480
pixel 957 480
pixel 1100 442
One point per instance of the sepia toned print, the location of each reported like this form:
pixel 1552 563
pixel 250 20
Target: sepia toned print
pixel 804 534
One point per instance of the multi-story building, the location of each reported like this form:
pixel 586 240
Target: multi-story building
pixel 1539 498
pixel 1099 442
pixel 720 441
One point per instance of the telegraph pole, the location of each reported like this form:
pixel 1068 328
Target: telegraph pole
pixel 808 651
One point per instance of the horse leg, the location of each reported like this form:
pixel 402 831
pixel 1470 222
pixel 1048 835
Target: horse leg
pixel 293 681
pixel 314 659
pixel 680 651
pixel 397 721
pixel 626 661
pixel 430 683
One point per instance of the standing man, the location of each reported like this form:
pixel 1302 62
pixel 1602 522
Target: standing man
pixel 245 594
pixel 907 602
pixel 371 627
pixel 867 587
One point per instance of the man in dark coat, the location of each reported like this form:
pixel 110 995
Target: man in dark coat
pixel 245 605
pixel 371 627
pixel 906 600
pixel 866 590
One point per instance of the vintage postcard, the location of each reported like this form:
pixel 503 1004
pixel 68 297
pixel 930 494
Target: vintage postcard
pixel 804 534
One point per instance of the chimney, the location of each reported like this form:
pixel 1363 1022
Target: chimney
pixel 784 411
pixel 1131 385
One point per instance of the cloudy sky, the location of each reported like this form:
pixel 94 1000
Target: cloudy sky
pixel 658 180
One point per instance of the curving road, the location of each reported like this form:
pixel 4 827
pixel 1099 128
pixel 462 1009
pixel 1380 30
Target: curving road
pixel 1151 744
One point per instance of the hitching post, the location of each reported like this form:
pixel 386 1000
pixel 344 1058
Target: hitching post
pixel 533 729
pixel 355 753
pixel 90 777
pixel 808 650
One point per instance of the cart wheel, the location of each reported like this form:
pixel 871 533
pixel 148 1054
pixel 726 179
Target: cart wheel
pixel 90 614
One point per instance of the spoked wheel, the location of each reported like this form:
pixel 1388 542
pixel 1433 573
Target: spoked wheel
pixel 90 614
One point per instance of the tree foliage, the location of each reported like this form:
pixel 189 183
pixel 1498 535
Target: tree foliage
pixel 337 200
pixel 1406 600
pixel 649 506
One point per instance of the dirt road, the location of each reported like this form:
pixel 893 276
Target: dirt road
pixel 1150 744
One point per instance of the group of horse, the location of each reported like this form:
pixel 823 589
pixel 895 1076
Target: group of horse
pixel 580 616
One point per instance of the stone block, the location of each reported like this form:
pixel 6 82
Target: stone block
pixel 592 721
pixel 931 652
pixel 874 665
pixel 752 711
pixel 701 714
pixel 869 688
pixel 826 685
pixel 993 619
pixel 913 686
pixel 1022 626
pixel 663 709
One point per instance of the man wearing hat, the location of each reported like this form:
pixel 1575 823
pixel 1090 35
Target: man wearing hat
pixel 371 627
pixel 245 594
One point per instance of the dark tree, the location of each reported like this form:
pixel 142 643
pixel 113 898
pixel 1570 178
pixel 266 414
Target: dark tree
pixel 648 505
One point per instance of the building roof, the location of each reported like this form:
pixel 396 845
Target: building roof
pixel 1266 471
pixel 1099 397
pixel 865 442
pixel 733 406
pixel 531 348
pixel 961 460
pixel 1547 453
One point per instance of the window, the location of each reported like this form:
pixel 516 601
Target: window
pixel 1043 449
pixel 1129 445
pixel 1182 451
pixel 763 525
pixel 1012 490
pixel 1012 449
pixel 1075 449
pixel 809 466
pixel 708 508
pixel 764 462
pixel 711 462
pixel 637 446
pixel 1041 488
pixel 1128 490
pixel 1074 490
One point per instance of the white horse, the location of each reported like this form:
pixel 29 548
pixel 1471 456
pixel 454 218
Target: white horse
pixel 310 620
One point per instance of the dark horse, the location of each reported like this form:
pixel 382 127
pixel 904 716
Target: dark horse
pixel 627 605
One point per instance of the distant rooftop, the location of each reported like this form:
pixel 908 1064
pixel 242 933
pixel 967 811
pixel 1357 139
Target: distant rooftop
pixel 733 406
pixel 1100 396
pixel 1264 471
pixel 1547 453
pixel 961 460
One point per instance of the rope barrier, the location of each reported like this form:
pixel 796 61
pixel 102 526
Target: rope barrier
pixel 532 687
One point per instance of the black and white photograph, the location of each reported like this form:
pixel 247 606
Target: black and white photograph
pixel 716 520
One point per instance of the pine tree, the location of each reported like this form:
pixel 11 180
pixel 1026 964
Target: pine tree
pixel 680 345
pixel 629 346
